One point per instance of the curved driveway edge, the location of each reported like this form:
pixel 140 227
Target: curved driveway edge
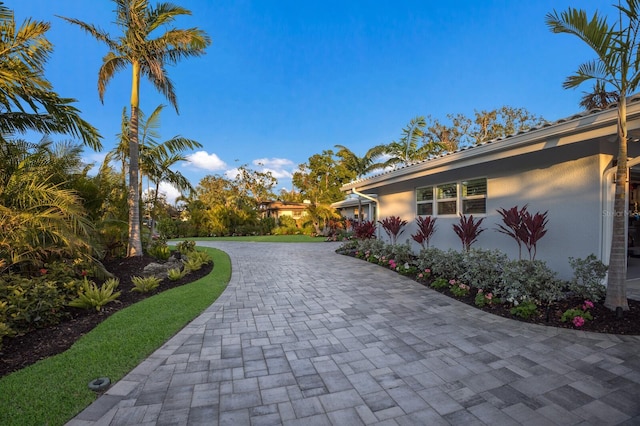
pixel 304 336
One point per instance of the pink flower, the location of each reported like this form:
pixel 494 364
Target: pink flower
pixel 578 321
pixel 587 305
pixel 43 271
pixel 420 275
pixel 452 282
pixel 427 271
pixel 489 296
pixel 479 290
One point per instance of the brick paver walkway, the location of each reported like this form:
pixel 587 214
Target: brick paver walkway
pixel 303 336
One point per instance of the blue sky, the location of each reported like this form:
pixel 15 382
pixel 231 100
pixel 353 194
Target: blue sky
pixel 286 79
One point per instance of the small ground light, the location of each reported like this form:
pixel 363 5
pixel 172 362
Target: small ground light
pixel 99 384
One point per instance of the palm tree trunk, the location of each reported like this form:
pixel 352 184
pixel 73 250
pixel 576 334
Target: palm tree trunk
pixel 616 284
pixel 135 236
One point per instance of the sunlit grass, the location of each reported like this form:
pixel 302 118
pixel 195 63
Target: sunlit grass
pixel 54 390
pixel 266 239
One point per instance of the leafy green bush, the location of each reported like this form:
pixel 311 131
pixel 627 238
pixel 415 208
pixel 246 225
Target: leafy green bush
pixel 483 268
pixel 448 263
pixel 159 249
pixel 525 310
pixel 145 284
pixel 174 274
pixel 439 283
pixel 186 246
pixel 529 280
pixel 588 277
pixel 92 296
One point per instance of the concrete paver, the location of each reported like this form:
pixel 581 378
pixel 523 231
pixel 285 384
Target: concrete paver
pixel 303 336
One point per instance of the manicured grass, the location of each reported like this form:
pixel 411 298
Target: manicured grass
pixel 266 239
pixel 54 390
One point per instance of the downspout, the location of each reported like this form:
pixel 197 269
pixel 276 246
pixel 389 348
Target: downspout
pixel 375 200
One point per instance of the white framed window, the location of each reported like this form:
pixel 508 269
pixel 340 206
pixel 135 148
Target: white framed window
pixel 453 198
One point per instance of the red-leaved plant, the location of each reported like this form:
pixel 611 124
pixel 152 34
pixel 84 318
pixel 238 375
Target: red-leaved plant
pixel 393 227
pixel 468 230
pixel 525 228
pixel 364 230
pixel 426 229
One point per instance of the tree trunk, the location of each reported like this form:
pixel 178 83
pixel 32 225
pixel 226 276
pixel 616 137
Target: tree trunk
pixel 616 284
pixel 135 236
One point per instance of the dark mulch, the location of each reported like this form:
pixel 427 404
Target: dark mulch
pixel 604 319
pixel 21 351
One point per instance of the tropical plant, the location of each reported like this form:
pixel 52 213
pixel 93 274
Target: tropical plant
pixel 393 226
pixel 145 284
pixel 27 101
pixel 92 296
pixel 426 229
pixel 175 274
pixel 364 230
pixel 468 230
pixel 148 57
pixel 598 98
pixel 588 277
pixel 526 229
pixel 412 146
pixel 617 64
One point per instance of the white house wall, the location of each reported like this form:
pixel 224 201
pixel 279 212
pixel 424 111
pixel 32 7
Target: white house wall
pixel 561 181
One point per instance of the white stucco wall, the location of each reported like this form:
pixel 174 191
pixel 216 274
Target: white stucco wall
pixel 570 190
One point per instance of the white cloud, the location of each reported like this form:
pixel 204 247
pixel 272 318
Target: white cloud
pixel 273 163
pixel 205 161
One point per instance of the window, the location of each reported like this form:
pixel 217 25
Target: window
pixel 474 196
pixel 424 201
pixel 447 198
pixel 466 197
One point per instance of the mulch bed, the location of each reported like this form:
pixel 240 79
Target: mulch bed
pixel 21 351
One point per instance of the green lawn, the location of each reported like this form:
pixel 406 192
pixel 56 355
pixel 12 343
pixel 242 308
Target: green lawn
pixel 266 239
pixel 54 390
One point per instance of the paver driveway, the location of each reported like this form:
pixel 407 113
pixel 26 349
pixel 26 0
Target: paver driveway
pixel 305 336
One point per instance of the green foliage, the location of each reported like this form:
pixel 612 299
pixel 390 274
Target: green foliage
pixel 145 284
pixel 92 296
pixel 159 249
pixel 37 399
pixel 458 288
pixel 401 253
pixel 174 274
pixel 525 280
pixel 483 268
pixel 186 246
pixel 570 314
pixel 525 310
pixel 448 263
pixel 439 283
pixel 588 278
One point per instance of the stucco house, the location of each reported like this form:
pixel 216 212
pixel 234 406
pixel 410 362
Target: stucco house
pixel 356 208
pixel 566 168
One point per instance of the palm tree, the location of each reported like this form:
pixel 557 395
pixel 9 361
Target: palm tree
pixel 598 98
pixel 617 64
pixel 27 101
pixel 148 57
pixel 408 149
pixel 360 166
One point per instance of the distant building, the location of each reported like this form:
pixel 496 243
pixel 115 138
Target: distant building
pixel 277 209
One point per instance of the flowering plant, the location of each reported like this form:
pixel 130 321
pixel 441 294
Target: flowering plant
pixel 578 316
pixel 483 298
pixel 459 289
pixel 424 275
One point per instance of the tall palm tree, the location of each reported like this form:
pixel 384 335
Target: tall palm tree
pixel 413 145
pixel 617 64
pixel 148 57
pixel 27 101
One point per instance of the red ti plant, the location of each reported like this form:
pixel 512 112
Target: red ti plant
pixel 468 230
pixel 426 229
pixel 393 227
pixel 525 228
pixel 364 230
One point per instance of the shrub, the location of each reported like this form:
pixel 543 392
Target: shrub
pixel 485 298
pixel 483 268
pixel 186 246
pixel 439 283
pixel 468 230
pixel 159 249
pixel 426 229
pixel 525 309
pixel 448 263
pixel 588 276
pixel 458 288
pixel 529 280
pixel 145 284
pixel 375 247
pixel 393 227
pixel 174 274
pixel 192 264
pixel 92 296
pixel 401 253
pixel 364 230
pixel 526 229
